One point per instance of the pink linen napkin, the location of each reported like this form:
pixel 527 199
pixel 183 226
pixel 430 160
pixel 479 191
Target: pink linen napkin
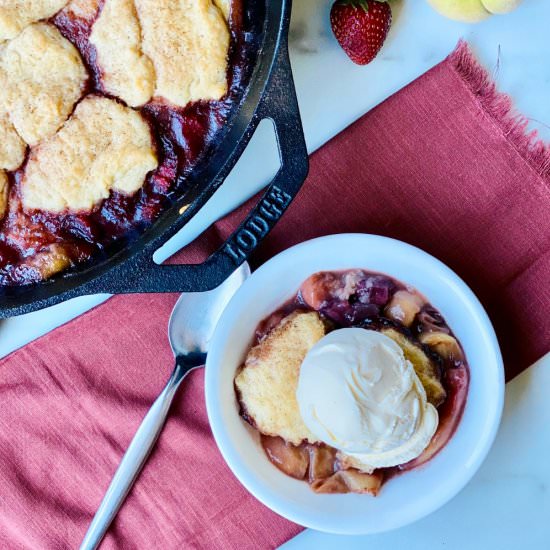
pixel 443 165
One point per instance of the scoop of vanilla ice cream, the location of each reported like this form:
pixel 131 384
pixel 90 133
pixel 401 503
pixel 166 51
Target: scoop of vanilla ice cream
pixel 358 394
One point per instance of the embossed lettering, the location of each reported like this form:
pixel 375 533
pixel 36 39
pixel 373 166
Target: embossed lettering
pixel 235 255
pixel 268 211
pixel 246 239
pixel 259 225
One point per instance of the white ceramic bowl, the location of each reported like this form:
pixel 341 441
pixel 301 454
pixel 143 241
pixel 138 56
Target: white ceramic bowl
pixel 405 498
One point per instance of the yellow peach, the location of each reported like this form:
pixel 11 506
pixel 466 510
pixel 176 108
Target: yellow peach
pixel 473 11
pixel 469 11
pixel 501 6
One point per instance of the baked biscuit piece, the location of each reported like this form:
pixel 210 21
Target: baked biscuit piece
pixel 126 72
pixel 423 366
pixel 3 193
pixel 188 42
pixel 268 380
pixel 225 7
pixel 12 147
pixel 15 15
pixel 104 146
pixel 45 77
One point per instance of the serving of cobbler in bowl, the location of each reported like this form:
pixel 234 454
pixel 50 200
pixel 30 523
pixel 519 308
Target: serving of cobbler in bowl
pixel 355 384
pixel 105 107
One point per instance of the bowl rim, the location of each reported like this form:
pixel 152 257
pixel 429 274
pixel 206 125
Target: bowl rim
pixel 215 414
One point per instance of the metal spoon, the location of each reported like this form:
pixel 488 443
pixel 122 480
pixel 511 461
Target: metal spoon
pixel 190 329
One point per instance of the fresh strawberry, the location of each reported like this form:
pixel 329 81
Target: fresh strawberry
pixel 361 27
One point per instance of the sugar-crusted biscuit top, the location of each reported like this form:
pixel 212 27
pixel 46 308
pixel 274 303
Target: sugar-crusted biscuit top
pixel 126 72
pixel 104 146
pixel 187 41
pixel 15 15
pixel 268 380
pixel 43 77
pixel 12 147
pixel 3 193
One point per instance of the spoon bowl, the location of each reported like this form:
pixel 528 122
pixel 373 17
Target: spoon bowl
pixel 196 314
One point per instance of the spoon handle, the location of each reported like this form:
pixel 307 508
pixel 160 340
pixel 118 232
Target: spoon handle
pixel 137 453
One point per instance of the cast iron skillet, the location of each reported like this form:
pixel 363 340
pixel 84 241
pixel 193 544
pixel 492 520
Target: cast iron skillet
pixel 270 94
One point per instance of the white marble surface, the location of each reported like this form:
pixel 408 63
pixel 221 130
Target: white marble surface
pixel 507 505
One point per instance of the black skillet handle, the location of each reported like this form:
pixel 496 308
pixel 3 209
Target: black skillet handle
pixel 279 104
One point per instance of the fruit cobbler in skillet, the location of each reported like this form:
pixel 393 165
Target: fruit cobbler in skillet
pixel 356 379
pixel 105 106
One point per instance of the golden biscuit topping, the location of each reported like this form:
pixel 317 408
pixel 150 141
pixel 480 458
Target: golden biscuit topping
pixel 175 51
pixel 126 72
pixel 225 7
pixel 15 15
pixel 12 147
pixel 104 146
pixel 43 77
pixel 187 41
pixel 268 381
pixel 67 147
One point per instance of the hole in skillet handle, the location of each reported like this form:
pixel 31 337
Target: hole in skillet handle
pixel 279 104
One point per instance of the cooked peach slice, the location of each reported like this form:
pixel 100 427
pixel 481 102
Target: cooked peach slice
pixel 404 306
pixel 291 459
pixel 321 462
pixel 446 345
pixel 350 481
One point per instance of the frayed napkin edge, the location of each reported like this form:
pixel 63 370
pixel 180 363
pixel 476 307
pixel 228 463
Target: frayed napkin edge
pixel 499 107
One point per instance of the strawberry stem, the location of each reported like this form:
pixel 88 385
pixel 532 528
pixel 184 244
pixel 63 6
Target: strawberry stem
pixel 357 4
